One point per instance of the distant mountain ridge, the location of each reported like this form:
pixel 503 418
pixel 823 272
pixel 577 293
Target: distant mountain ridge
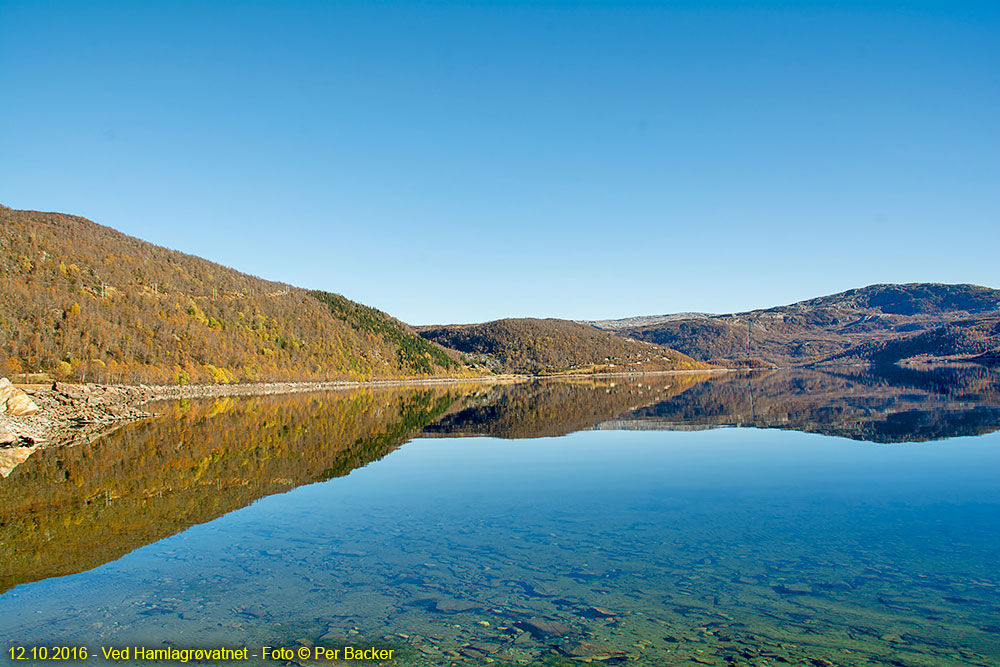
pixel 644 320
pixel 855 324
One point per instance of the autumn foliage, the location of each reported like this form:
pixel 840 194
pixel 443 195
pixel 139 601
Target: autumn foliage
pixel 549 346
pixel 81 301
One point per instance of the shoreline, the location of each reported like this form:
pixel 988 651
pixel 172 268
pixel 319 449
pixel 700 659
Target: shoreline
pixel 169 392
pixel 74 414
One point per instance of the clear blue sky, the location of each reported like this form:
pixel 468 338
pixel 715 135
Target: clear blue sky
pixel 455 162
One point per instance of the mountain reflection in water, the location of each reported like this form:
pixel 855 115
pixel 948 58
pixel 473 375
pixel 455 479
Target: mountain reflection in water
pixel 68 510
pixel 64 511
pixel 891 405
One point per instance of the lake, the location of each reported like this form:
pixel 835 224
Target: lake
pixel 843 517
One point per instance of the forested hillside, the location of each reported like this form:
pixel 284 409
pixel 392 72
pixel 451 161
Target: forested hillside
pixel 548 346
pixel 976 339
pixel 84 302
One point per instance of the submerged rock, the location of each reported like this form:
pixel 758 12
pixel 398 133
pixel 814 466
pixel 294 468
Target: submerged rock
pixel 453 606
pixel 792 589
pixel 598 612
pixel 537 589
pixel 582 649
pixel 543 628
pixel 485 647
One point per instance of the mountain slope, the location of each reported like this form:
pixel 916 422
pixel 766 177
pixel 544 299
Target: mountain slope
pixel 527 345
pixel 83 301
pixel 976 339
pixel 817 329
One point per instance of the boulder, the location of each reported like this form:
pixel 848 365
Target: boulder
pixel 15 402
pixel 20 405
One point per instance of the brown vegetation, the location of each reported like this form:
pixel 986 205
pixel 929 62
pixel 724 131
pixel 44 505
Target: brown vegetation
pixel 975 340
pixel 81 301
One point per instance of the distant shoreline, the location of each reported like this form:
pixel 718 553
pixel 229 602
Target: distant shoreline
pixel 168 392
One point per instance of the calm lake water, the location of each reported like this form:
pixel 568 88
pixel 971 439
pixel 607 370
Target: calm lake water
pixel 840 518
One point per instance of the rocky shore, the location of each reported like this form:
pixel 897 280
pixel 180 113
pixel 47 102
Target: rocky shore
pixel 60 414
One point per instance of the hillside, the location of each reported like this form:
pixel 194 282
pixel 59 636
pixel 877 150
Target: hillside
pixel 84 302
pixel 822 328
pixel 548 346
pixel 976 339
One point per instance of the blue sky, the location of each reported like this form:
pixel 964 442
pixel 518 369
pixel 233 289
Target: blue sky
pixel 455 162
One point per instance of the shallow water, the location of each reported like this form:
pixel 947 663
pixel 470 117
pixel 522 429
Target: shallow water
pixel 748 546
